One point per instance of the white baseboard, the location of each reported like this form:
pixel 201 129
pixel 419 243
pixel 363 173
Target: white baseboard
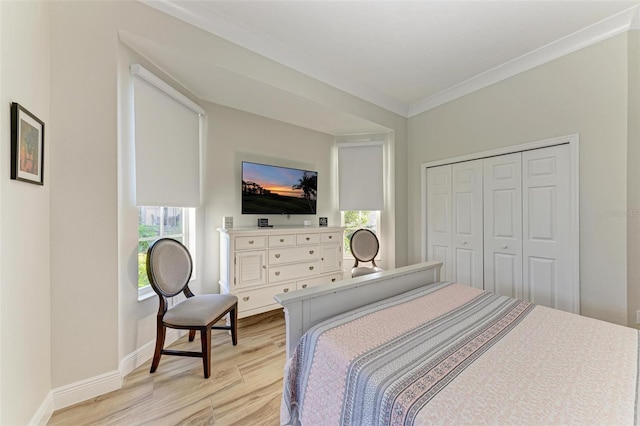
pixel 73 393
pixel 44 412
pixel 83 390
pixel 144 353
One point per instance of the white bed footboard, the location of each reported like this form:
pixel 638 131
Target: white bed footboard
pixel 305 308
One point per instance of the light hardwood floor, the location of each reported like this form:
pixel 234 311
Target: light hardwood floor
pixel 244 388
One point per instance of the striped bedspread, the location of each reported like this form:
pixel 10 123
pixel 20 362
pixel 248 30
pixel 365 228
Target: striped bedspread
pixel 451 354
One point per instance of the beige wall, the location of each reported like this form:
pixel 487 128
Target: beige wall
pixel 633 180
pixel 584 92
pixel 24 219
pixel 84 264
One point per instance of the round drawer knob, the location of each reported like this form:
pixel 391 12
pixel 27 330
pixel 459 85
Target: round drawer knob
pixel 330 236
pixel 304 286
pixel 264 266
pixel 278 256
pixel 282 240
pixel 308 238
pixel 333 280
pixel 311 268
pixel 246 298
pixel 277 273
pixel 310 251
pixel 504 247
pixel 251 242
pixel 286 290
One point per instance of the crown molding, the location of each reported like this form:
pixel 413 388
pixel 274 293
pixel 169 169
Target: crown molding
pixel 614 25
pixel 199 15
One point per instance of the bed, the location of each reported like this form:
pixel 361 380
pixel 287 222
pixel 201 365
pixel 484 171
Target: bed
pixel 402 348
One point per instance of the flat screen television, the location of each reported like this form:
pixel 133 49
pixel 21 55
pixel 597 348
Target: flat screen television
pixel 270 189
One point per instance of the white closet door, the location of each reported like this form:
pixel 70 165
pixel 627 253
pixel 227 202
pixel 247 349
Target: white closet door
pixel 546 216
pixel 503 225
pixel 467 223
pixel 439 218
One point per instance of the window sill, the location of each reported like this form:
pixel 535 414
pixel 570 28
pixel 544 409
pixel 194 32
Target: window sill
pixel 145 293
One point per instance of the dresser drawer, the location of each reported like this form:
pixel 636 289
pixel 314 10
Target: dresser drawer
pixel 304 239
pixel 261 297
pixel 250 243
pixel 293 272
pixel 313 282
pixel 293 254
pixel 282 240
pixel 330 237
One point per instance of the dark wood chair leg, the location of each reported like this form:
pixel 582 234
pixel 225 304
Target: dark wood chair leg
pixel 234 324
pixel 205 337
pixel 161 332
pixel 192 335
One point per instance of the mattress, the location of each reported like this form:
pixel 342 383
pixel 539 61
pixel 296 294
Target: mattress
pixel 450 354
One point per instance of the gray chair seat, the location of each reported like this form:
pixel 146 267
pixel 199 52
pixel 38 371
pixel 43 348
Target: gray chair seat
pixel 364 270
pixel 199 311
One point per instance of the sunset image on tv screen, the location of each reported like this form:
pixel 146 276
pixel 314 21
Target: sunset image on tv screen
pixel 278 190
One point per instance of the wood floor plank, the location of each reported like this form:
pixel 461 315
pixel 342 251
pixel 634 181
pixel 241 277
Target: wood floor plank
pixel 245 386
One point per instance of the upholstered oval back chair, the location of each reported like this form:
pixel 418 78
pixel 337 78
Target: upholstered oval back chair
pixel 364 247
pixel 169 268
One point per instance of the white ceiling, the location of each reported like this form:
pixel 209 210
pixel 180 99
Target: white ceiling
pixel 408 56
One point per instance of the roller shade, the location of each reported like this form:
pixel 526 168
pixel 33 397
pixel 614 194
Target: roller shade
pixel 360 176
pixel 167 143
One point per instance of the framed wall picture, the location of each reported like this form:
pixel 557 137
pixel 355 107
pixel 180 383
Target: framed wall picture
pixel 27 146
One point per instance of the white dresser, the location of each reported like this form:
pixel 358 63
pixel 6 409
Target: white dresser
pixel 258 263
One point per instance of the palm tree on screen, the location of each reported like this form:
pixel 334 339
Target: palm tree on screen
pixel 308 183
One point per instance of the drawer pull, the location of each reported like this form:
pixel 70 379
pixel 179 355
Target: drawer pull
pixel 333 280
pixel 278 256
pixel 330 236
pixel 308 238
pixel 246 298
pixel 311 268
pixel 250 241
pixel 286 290
pixel 310 251
pixel 264 266
pixel 277 273
pixel 282 240
pixel 304 286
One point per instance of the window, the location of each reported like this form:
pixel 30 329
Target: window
pixel 155 223
pixel 356 219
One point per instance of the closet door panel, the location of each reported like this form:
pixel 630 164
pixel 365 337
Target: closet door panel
pixel 503 224
pixel 505 270
pixel 546 215
pixel 439 218
pixel 467 223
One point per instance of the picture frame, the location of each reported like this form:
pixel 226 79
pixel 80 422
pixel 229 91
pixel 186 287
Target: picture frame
pixel 27 146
